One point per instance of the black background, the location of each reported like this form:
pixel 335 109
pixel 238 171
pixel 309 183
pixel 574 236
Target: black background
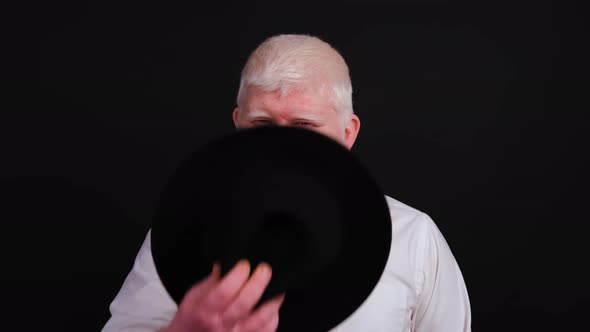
pixel 473 114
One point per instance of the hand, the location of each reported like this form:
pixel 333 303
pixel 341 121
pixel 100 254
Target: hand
pixel 225 305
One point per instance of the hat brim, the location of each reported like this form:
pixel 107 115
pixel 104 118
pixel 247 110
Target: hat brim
pixel 276 168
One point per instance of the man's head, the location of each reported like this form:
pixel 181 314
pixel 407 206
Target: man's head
pixel 297 80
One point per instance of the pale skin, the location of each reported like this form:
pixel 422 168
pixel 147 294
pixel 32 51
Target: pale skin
pixel 297 109
pixel 227 304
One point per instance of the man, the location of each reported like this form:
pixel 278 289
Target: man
pixel 298 80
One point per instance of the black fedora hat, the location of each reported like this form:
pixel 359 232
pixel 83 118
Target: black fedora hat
pixel 290 197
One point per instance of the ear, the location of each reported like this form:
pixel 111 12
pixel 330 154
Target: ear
pixel 235 116
pixel 351 131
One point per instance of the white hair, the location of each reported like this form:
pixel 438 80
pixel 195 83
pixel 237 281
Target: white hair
pixel 303 62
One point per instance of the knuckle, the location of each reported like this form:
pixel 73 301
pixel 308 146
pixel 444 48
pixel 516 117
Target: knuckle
pixel 203 319
pixel 231 317
pixel 253 324
pixel 223 295
pixel 238 308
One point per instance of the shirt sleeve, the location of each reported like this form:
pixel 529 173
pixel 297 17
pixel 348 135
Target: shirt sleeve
pixel 142 304
pixel 443 302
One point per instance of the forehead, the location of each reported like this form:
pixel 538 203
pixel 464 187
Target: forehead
pixel 300 101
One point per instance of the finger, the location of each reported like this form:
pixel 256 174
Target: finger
pixel 202 287
pixel 263 315
pixel 272 325
pixel 248 296
pixel 227 289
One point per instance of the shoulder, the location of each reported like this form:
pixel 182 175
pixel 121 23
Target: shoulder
pixel 413 228
pixel 405 218
pixel 413 235
pixel 396 206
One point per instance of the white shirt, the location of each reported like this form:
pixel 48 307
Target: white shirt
pixel 421 290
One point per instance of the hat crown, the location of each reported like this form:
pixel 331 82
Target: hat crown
pixel 293 198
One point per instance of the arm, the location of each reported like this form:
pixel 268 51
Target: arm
pixel 212 304
pixel 142 304
pixel 443 302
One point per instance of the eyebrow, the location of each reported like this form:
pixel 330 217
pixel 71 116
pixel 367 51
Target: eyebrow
pixel 257 114
pixel 263 114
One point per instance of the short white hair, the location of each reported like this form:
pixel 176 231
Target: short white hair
pixel 294 61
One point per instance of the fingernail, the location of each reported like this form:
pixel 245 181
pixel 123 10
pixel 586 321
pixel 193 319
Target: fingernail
pixel 282 299
pixel 265 269
pixel 216 270
pixel 243 264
